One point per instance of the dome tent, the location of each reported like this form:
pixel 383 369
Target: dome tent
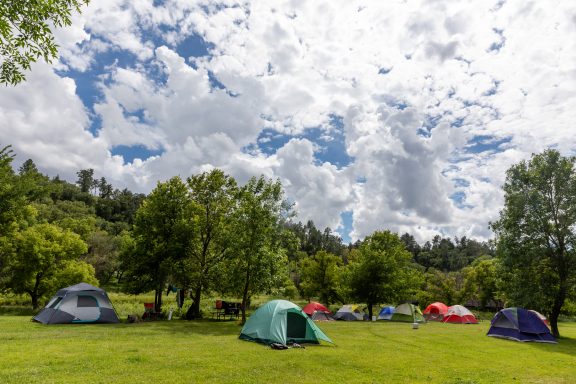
pixel 408 313
pixel 458 314
pixel 386 313
pixel 520 325
pixel 349 312
pixel 435 311
pixel 313 306
pixel 280 321
pixel 80 303
pixel 318 312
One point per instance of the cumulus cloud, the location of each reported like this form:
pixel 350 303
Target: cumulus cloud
pixel 437 100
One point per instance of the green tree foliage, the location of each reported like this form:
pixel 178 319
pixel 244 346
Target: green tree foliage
pixel 42 251
pixel 161 234
pixel 213 197
pixel 447 287
pixel 103 255
pixel 535 232
pixel 445 255
pixel 483 277
pixel 86 180
pixel 26 35
pixel 259 263
pixel 383 272
pixel 321 277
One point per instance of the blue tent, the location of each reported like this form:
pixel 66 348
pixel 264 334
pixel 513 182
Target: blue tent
pixel 386 313
pixel 521 325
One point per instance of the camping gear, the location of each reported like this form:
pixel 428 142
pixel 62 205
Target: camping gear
pixel 313 306
pixel 80 303
pixel 386 313
pixel 435 311
pixel 321 316
pixel 349 313
pixel 520 325
pixel 541 317
pixel 317 312
pixel 280 321
pixel 408 313
pixel 459 314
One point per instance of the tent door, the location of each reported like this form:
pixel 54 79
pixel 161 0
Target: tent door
pixel 296 326
pixel 87 309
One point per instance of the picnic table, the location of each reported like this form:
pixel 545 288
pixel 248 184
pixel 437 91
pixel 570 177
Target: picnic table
pixel 226 308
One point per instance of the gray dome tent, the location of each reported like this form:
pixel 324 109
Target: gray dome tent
pixel 80 303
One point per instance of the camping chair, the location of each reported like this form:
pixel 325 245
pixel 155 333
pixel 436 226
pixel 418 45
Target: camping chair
pixel 149 312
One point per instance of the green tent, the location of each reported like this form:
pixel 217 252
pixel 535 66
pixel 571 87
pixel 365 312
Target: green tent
pixel 408 313
pixel 280 321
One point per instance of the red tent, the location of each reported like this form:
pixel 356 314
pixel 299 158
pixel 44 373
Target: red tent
pixel 312 307
pixel 435 311
pixel 460 315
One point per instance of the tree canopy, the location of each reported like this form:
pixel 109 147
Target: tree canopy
pixel 536 232
pixel 26 35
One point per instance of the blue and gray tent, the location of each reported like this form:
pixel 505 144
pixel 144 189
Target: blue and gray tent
pixel 520 325
pixel 386 313
pixel 80 303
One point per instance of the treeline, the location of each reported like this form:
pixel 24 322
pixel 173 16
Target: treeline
pixel 207 234
pixel 204 234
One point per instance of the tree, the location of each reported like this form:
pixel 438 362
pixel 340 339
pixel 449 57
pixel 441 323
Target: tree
pixel 321 277
pixel 25 34
pixel 536 232
pixel 42 251
pixel 484 277
pixel 161 236
pixel 86 180
pixel 383 272
pixel 103 250
pixel 260 262
pixel 213 203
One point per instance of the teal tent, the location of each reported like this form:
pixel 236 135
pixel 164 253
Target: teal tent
pixel 280 321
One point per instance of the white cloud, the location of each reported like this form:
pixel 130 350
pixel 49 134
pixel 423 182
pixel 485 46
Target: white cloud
pixel 460 70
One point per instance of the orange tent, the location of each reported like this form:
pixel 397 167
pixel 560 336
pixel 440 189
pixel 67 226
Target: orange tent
pixel 435 311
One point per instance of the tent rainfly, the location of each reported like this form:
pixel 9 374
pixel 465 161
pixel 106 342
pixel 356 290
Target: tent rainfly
pixel 459 314
pixel 349 313
pixel 280 321
pixel 408 313
pixel 80 303
pixel 520 325
pixel 435 311
pixel 386 313
pixel 313 306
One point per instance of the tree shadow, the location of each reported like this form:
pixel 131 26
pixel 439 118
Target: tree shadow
pixel 200 327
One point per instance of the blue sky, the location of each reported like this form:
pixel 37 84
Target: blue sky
pixel 371 122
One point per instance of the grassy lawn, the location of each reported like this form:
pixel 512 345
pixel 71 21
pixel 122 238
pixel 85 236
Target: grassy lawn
pixel 208 351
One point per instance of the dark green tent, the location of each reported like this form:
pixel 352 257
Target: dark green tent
pixel 280 321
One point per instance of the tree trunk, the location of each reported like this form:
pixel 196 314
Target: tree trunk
pixel 158 300
pixel 558 303
pixel 245 296
pixel 34 298
pixel 194 310
pixel 370 311
pixel 34 293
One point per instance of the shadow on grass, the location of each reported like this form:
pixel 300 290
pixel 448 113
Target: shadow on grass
pixel 186 327
pixel 565 345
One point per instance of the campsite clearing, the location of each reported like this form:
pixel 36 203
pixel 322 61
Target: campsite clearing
pixel 210 351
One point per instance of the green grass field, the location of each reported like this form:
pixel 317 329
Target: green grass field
pixel 209 351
